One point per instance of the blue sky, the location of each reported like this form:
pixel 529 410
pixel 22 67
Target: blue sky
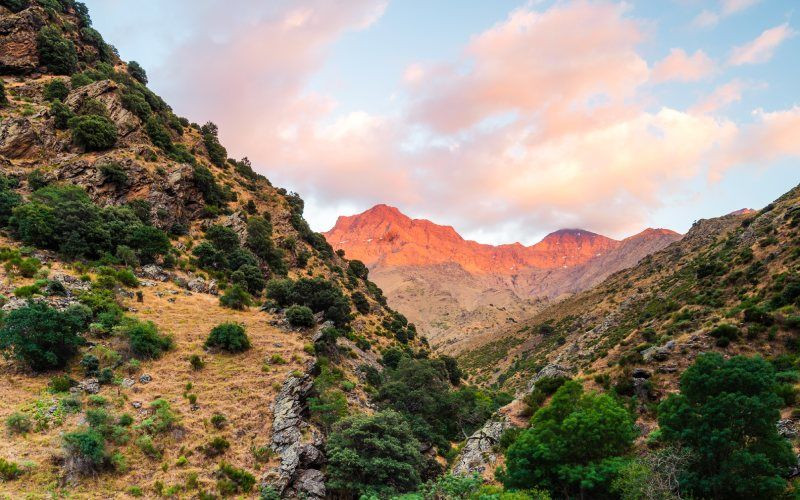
pixel 505 119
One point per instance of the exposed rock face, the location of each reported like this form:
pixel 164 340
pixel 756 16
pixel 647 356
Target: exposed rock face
pixel 18 54
pixel 107 92
pixel 199 285
pixel 478 452
pixel 296 472
pixel 18 138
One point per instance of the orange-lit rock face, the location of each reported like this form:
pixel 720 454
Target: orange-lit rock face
pixel 383 237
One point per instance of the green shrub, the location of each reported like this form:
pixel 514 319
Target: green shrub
pixel 358 269
pixel 162 418
pixel 197 362
pixel 235 297
pixel 300 316
pixel 158 133
pixel 724 333
pixel 137 72
pixel 92 132
pixel 145 341
pixel 232 480
pixel 3 96
pixel 56 52
pixel 216 447
pixel 18 423
pixel 229 337
pixel 93 107
pixel 41 337
pixel 90 365
pixel 9 470
pixel 115 174
pixel 61 383
pixel 250 277
pixel 88 447
pixel 61 114
pixel 56 90
pixel 148 447
pixel 361 302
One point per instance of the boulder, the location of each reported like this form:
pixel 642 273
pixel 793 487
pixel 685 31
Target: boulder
pixel 153 272
pixel 19 138
pixel 18 52
pixel 478 451
pixel 658 353
pixel 310 483
pixel 89 386
pixel 786 428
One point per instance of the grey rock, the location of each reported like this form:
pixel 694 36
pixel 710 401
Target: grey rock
pixel 128 383
pixel 786 428
pixel 199 285
pixel 658 353
pixel 153 272
pixel 89 386
pixel 136 404
pixel 640 373
pixel 145 379
pixel 310 483
pixel 478 451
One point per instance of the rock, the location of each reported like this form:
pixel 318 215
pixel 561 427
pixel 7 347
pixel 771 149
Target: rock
pixel 641 389
pixel 658 353
pixel 127 383
pixel 18 52
pixel 640 373
pixel 310 455
pixel 108 93
pixel 153 272
pixel 136 404
pixel 19 138
pixel 667 369
pixel 310 483
pixel 145 379
pixel 14 303
pixel 478 451
pixel 199 285
pixel 551 370
pixel 89 386
pixel 786 428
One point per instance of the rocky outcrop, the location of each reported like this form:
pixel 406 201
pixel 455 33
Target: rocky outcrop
pixel 107 92
pixel 19 138
pixel 479 451
pixel 200 285
pixel 18 54
pixel 298 473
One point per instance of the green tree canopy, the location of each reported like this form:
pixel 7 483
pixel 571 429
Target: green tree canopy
pixel 726 415
pixel 574 446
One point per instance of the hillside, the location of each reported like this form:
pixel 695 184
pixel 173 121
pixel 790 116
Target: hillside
pixel 130 232
pixel 454 289
pixel 736 270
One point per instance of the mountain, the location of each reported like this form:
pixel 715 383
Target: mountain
pixel 453 288
pixel 137 359
pixel 738 270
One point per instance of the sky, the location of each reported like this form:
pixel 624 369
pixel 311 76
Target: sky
pixel 505 119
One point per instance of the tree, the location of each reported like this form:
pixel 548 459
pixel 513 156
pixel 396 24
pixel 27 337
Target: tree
pixel 300 316
pixel 56 90
pixel 93 132
pixel 358 269
pixel 56 52
pixel 725 416
pixel 235 297
pixel 373 454
pixel 574 446
pixel 137 72
pixel 229 337
pixel 41 337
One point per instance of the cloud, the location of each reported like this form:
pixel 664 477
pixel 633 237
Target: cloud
pixel 682 67
pixel 724 95
pixel 536 60
pixel 763 47
pixel 708 18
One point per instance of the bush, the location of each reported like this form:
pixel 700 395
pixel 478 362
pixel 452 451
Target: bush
pixel 300 316
pixel 250 277
pixel 196 362
pixel 3 96
pixel 235 297
pixel 318 294
pixel 361 302
pixel 56 52
pixel 145 341
pixel 41 337
pixel 86 451
pixel 137 72
pixel 9 470
pixel 725 417
pixel 216 447
pixel 56 90
pixel 115 174
pixel 18 423
pixel 61 114
pixel 148 447
pixel 229 337
pixel 162 418
pixel 137 104
pixel 93 132
pixel 232 480
pixel 61 383
pixel 373 455
pixel 158 133
pixel 358 269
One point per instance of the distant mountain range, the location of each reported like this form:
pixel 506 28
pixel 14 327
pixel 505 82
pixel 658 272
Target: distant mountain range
pixel 453 288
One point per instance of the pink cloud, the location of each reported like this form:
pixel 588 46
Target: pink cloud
pixel 535 60
pixel 707 18
pixel 724 95
pixel 763 47
pixel 680 66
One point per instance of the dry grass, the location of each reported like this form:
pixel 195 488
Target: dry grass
pixel 234 385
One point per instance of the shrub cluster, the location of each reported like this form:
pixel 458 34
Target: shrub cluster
pixel 317 294
pixel 229 337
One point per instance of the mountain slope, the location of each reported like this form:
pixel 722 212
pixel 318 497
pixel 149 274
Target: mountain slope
pixel 157 196
pixel 738 270
pixel 454 289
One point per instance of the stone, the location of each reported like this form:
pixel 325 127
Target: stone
pixel 89 386
pixel 136 404
pixel 153 272
pixel 478 451
pixel 658 353
pixel 199 285
pixel 786 428
pixel 640 373
pixel 145 379
pixel 310 483
pixel 18 52
pixel 127 383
